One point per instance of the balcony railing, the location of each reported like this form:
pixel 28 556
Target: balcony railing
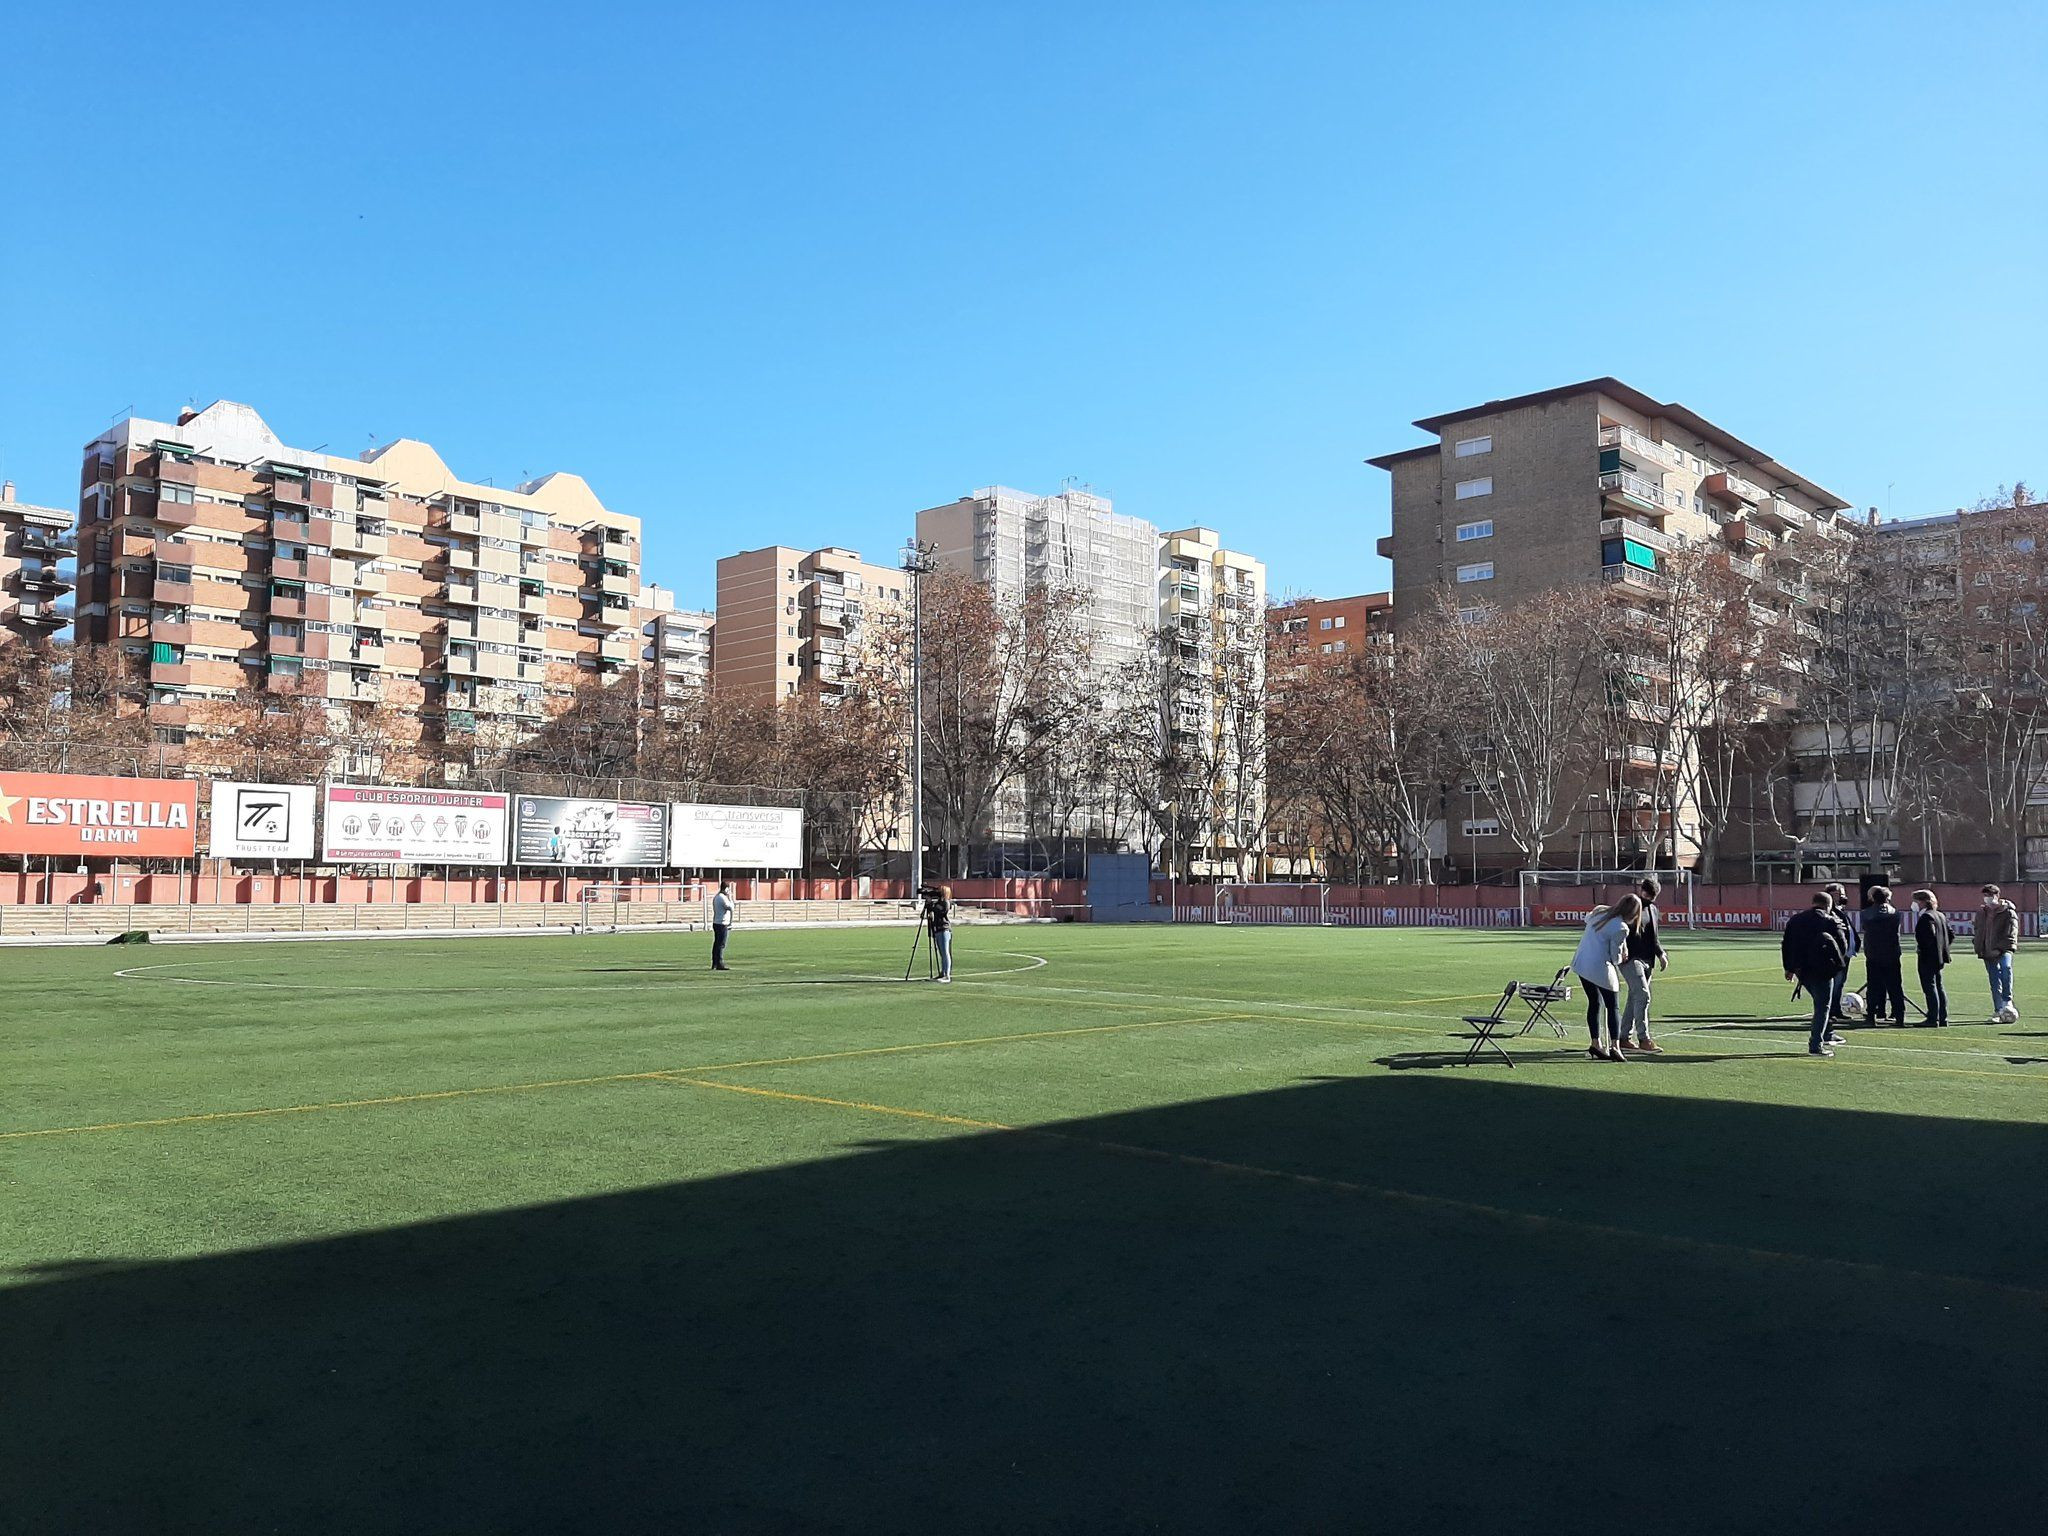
pixel 1621 484
pixel 1634 576
pixel 1642 533
pixel 1729 486
pixel 1630 441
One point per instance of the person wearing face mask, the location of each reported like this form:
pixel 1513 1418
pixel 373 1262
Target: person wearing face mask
pixel 1931 939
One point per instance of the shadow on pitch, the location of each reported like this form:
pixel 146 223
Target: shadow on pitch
pixel 1277 1311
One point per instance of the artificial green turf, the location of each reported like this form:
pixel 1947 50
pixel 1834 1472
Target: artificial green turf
pixel 1223 1238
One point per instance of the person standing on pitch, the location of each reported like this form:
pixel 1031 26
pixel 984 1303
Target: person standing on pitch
pixel 1645 954
pixel 721 924
pixel 1996 936
pixel 939 916
pixel 1931 940
pixel 1813 956
pixel 1883 990
pixel 1595 963
pixel 1845 930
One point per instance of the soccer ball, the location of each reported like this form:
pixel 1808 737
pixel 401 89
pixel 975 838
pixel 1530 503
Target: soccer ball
pixel 1852 1005
pixel 2008 1014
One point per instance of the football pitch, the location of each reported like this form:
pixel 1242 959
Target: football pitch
pixel 1130 1229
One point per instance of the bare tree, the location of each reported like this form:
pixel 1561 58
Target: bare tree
pixel 1528 686
pixel 999 680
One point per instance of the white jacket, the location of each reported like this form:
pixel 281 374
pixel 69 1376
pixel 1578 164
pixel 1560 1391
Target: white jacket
pixel 721 909
pixel 1600 951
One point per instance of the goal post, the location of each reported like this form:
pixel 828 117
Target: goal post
pixel 1303 903
pixel 1530 882
pixel 611 904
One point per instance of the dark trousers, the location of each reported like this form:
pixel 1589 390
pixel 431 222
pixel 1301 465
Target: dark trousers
pixel 1937 993
pixel 719 931
pixel 1597 999
pixel 1884 991
pixel 1820 991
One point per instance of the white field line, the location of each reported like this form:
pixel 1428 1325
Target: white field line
pixel 142 973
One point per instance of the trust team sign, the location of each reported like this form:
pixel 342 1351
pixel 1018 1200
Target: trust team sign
pixel 77 814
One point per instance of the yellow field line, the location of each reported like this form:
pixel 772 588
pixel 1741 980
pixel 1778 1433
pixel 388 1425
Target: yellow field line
pixel 1502 1214
pixel 586 1082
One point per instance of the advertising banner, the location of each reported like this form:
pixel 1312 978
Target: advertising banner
pixel 1709 919
pixel 261 821
pixel 590 834
pixel 736 837
pixel 380 824
pixel 70 814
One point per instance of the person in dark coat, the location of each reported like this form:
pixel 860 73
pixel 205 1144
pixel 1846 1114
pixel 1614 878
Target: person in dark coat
pixel 1814 956
pixel 1845 928
pixel 1884 992
pixel 1932 942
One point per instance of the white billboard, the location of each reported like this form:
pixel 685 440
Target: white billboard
pixel 735 837
pixel 377 824
pixel 261 821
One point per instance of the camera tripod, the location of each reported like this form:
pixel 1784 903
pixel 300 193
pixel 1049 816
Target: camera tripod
pixel 923 935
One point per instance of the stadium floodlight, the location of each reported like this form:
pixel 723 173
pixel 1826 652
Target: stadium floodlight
pixel 919 561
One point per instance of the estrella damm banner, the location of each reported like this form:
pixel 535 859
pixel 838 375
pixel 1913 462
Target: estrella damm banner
pixel 80 814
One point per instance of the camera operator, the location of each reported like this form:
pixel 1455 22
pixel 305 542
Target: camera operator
pixel 938 921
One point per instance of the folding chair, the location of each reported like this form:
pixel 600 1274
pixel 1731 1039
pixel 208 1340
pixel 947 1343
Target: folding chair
pixel 1540 996
pixel 1487 1023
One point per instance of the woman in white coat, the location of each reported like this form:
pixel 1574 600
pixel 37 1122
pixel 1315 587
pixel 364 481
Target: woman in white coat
pixel 1597 965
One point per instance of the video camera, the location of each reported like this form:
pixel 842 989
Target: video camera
pixel 931 896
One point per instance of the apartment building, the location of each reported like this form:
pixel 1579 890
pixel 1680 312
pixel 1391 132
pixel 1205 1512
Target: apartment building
pixel 1597 481
pixel 1335 627
pixel 790 620
pixel 1017 542
pixel 220 559
pixel 675 659
pixel 35 544
pixel 1212 627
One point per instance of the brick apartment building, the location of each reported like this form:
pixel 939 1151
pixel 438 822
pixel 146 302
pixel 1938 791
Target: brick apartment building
pixel 1597 481
pixel 790 620
pixel 218 559
pixel 1334 626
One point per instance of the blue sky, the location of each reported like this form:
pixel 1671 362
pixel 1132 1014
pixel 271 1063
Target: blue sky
pixel 780 272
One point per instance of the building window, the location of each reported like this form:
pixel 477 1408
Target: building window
pixel 1467 489
pixel 1338 621
pixel 1475 531
pixel 1339 646
pixel 1481 826
pixel 1324 625
pixel 1471 615
pixel 1482 571
pixel 1472 447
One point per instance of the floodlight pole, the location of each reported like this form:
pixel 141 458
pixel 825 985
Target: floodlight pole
pixel 918 562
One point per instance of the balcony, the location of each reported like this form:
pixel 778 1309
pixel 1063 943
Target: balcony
pixel 533 602
pixel 1639 757
pixel 170 674
pixel 1753 569
pixel 1780 513
pixel 1642 533
pixel 616 584
pixel 464 593
pixel 1634 577
pixel 44 615
pixel 1631 444
pixel 49 543
pixel 287 568
pixel 462 558
pixel 287 605
pixel 1633 493
pixel 459 665
pixel 1765 616
pixel 1726 485
pixel 44 580
pixel 177 514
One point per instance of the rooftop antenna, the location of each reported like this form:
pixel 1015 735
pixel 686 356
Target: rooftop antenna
pixel 121 415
